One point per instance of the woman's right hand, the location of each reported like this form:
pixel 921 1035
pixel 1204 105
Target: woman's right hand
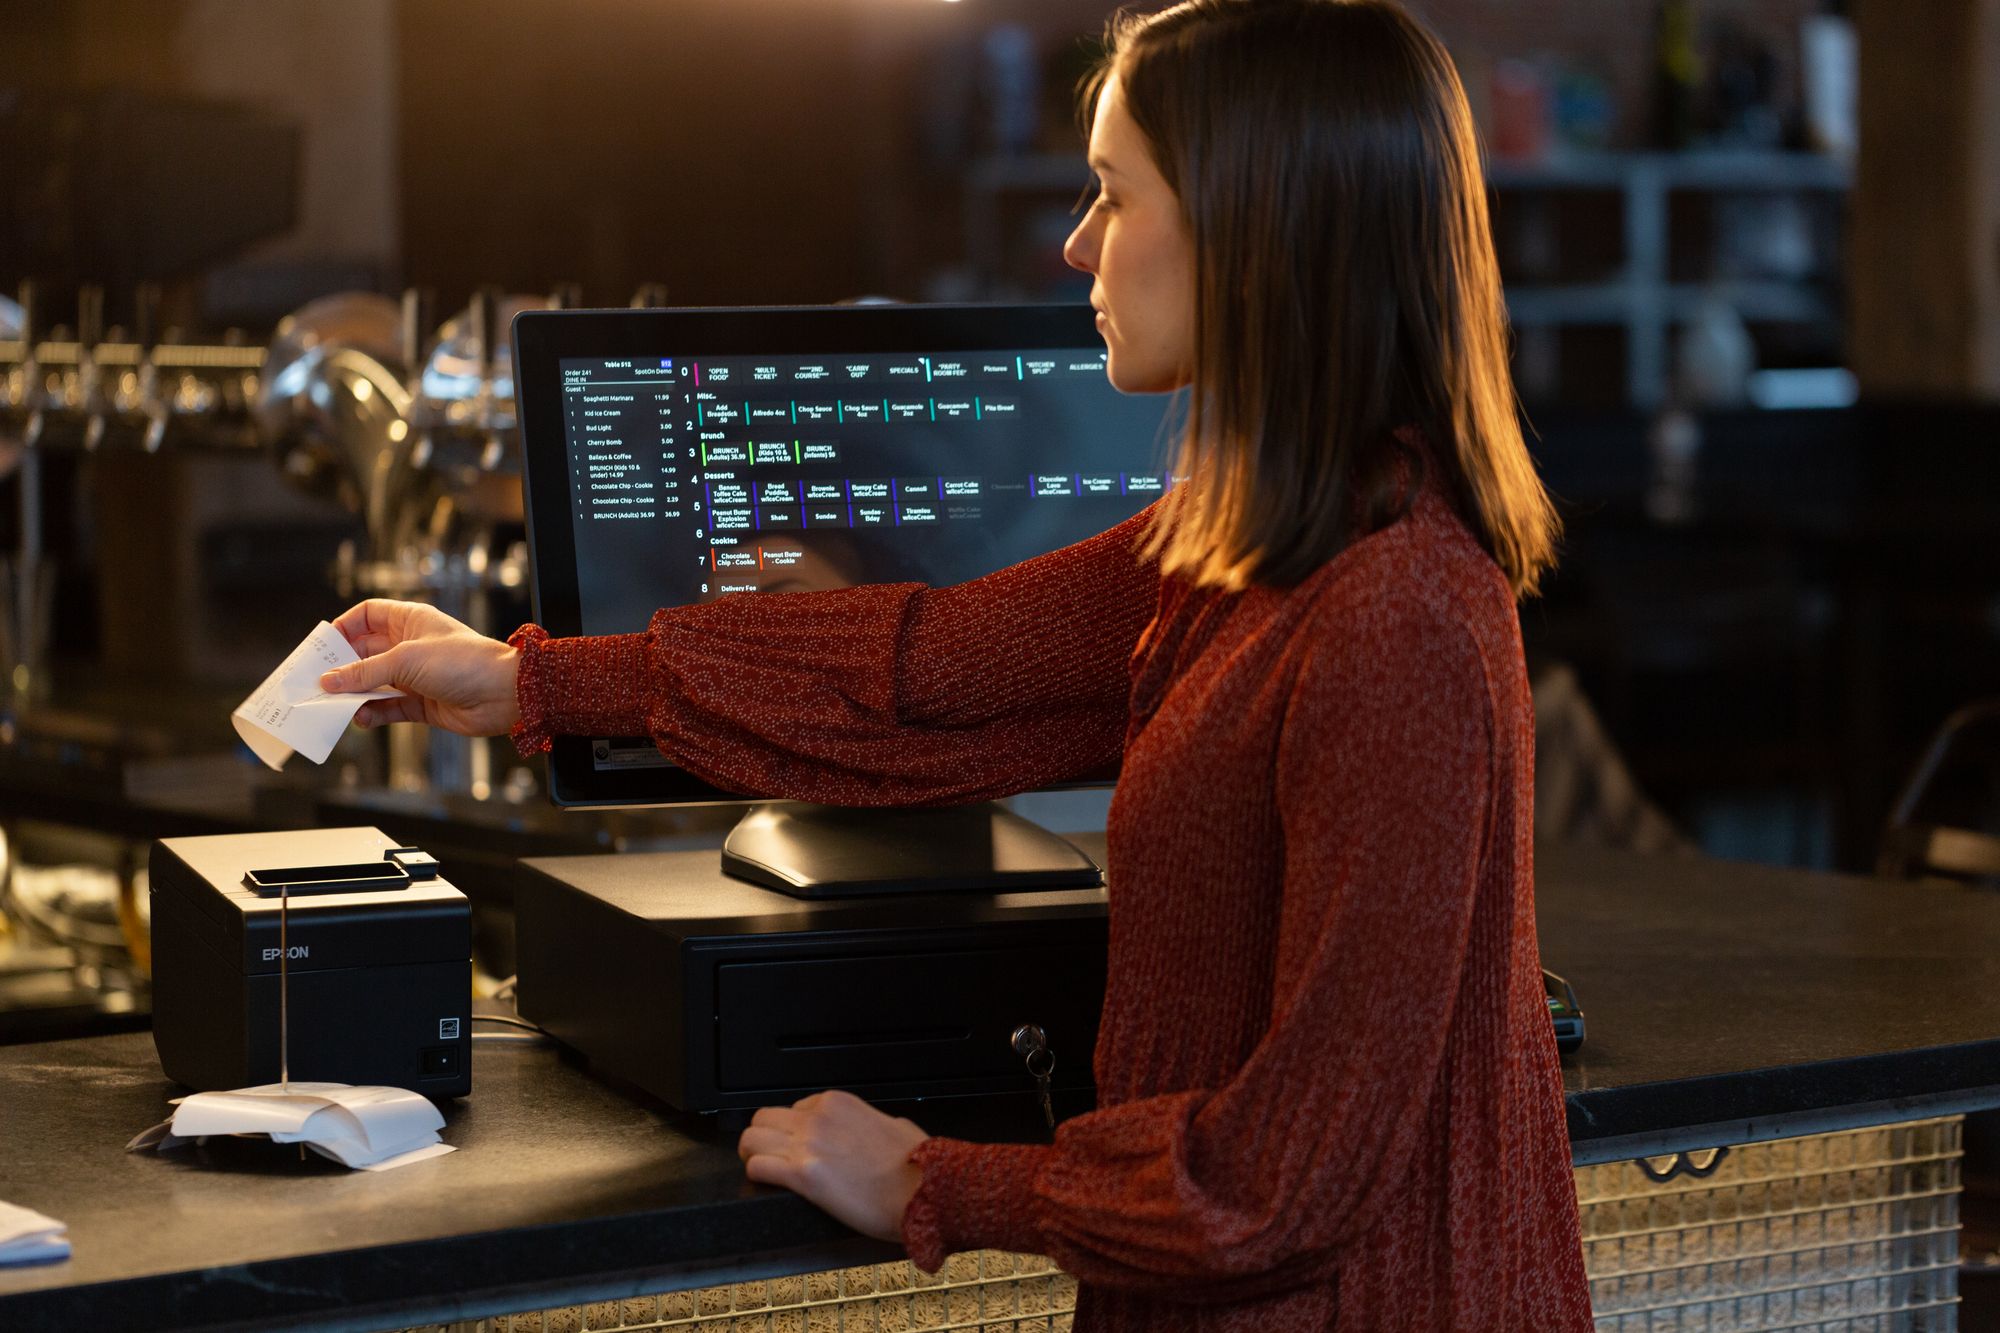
pixel 451 675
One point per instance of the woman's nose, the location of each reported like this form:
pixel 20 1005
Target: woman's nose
pixel 1080 250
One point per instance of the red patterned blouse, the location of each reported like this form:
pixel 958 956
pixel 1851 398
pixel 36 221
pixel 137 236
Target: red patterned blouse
pixel 1328 1095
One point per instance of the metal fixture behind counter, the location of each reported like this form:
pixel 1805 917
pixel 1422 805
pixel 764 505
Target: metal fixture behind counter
pixel 419 438
pixel 93 389
pixel 356 399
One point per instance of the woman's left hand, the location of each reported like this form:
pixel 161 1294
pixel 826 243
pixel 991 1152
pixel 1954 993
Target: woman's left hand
pixel 840 1153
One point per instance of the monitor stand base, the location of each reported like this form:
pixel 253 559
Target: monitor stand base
pixel 823 851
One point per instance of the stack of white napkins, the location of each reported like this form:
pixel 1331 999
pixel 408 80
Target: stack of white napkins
pixel 27 1237
pixel 373 1129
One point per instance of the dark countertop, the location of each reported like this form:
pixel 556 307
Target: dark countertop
pixel 1729 1002
pixel 1725 1003
pixel 562 1190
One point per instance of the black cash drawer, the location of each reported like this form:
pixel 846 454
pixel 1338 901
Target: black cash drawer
pixel 850 1022
pixel 716 995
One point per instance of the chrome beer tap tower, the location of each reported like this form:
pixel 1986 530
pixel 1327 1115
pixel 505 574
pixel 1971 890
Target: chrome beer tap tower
pixel 408 423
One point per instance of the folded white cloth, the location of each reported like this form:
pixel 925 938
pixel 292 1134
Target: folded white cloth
pixel 28 1237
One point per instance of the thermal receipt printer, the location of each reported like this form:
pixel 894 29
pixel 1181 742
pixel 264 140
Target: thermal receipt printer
pixel 339 940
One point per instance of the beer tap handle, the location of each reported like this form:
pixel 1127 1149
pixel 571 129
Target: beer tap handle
pixel 89 333
pixel 89 317
pixel 650 296
pixel 237 390
pixel 482 319
pixel 482 316
pixel 33 390
pixel 146 319
pixel 419 318
pixel 566 296
pixel 29 294
pixel 153 404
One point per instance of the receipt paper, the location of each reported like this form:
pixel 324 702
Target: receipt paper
pixel 369 1128
pixel 289 712
pixel 28 1237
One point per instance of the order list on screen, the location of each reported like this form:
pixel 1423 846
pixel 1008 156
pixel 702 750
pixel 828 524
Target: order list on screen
pixel 697 477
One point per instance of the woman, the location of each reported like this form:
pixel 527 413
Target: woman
pixel 1328 1090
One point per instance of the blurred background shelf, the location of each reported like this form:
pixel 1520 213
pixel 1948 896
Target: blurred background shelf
pixel 1756 235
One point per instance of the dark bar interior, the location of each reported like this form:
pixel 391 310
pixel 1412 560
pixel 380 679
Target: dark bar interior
pixel 304 305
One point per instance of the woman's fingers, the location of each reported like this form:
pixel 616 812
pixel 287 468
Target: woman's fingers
pixel 778 1132
pixel 839 1152
pixel 353 622
pixel 370 673
pixel 756 1140
pixel 769 1169
pixel 381 712
pixel 772 1148
pixel 772 1130
pixel 376 616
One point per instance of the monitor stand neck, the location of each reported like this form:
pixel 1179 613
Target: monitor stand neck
pixel 823 851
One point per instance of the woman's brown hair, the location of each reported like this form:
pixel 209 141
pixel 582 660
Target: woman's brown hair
pixel 1345 285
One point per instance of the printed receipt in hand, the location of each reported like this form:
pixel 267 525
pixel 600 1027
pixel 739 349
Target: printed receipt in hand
pixel 290 712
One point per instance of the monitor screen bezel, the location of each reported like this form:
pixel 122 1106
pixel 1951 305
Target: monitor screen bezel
pixel 543 339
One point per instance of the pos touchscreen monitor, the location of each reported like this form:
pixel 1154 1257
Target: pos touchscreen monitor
pixel 679 456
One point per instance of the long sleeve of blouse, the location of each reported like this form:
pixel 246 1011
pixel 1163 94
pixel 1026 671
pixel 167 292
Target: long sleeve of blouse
pixel 1328 1088
pixel 890 694
pixel 1205 1195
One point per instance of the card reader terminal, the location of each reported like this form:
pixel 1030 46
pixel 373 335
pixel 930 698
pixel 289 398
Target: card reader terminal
pixel 1564 1012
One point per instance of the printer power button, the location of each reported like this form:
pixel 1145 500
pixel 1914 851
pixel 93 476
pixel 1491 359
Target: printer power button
pixel 440 1061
